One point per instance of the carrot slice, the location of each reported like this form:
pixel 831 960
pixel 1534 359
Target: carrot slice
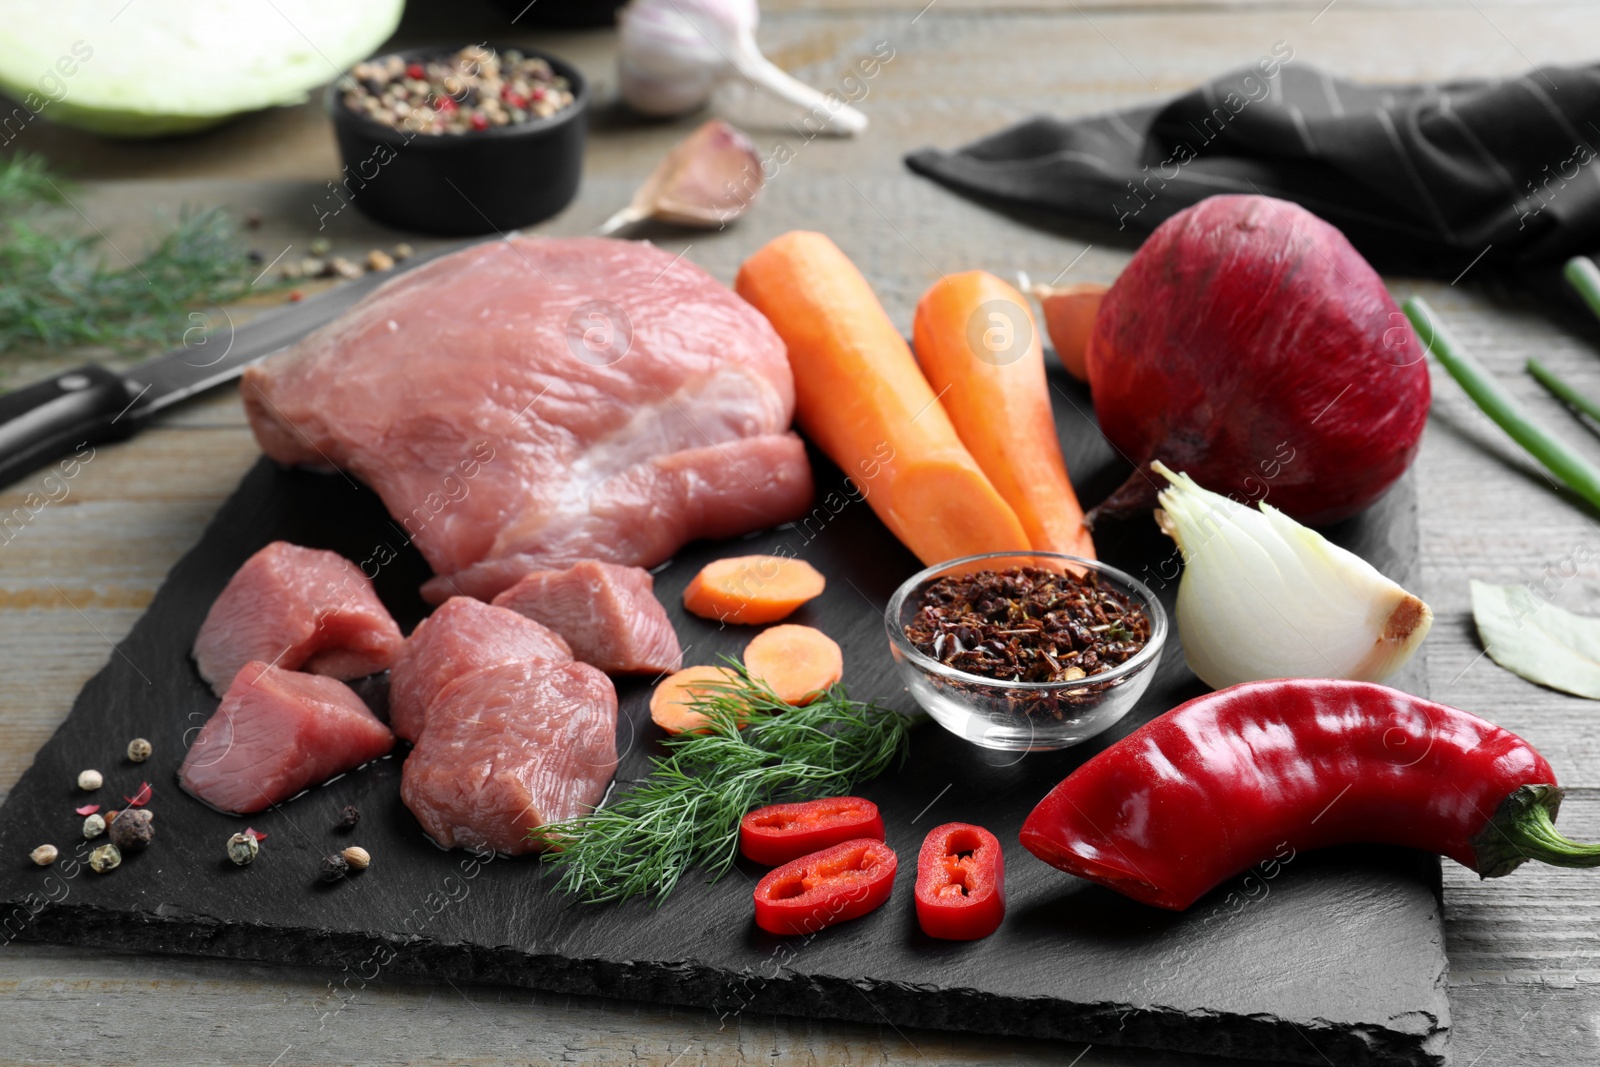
pixel 1069 314
pixel 978 343
pixel 861 398
pixel 796 662
pixel 670 704
pixel 752 589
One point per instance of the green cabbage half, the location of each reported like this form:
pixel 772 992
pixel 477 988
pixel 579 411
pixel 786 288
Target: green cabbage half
pixel 143 68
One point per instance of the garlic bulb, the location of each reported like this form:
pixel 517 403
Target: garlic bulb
pixel 673 53
pixel 709 179
pixel 1265 597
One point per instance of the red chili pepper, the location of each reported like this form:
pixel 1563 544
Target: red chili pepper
pixel 827 887
pixel 480 121
pixel 512 97
pixel 783 832
pixel 1218 784
pixel 414 70
pixel 961 883
pixel 88 809
pixel 141 796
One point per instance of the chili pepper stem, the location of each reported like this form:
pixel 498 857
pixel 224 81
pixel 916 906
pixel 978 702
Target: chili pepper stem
pixel 1524 829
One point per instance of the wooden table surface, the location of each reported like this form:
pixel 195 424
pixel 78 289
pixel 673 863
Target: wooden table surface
pixel 1523 950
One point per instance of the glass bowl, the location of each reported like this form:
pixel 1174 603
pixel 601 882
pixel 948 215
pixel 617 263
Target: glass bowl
pixel 996 714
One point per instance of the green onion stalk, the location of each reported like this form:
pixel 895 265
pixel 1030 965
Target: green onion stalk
pixel 1554 454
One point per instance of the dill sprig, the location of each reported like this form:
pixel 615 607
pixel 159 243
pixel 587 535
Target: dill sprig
pixel 61 286
pixel 24 179
pixel 685 812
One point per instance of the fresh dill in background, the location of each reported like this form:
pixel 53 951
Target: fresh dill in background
pixel 63 285
pixel 685 811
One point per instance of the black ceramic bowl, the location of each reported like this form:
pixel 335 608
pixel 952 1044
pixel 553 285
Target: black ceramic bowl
pixel 463 184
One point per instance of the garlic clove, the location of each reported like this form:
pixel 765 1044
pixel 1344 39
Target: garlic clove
pixel 710 178
pixel 1265 597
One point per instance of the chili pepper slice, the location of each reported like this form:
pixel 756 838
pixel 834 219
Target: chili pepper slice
pixel 839 883
pixel 961 874
pixel 782 832
pixel 1226 780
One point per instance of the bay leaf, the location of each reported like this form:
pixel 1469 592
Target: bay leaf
pixel 1531 637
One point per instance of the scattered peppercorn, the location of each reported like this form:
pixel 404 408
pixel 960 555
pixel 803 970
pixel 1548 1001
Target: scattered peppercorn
pixel 242 849
pixel 377 259
pixel 340 267
pixel 105 858
pixel 93 827
pixel 358 858
pixel 473 89
pixel 334 867
pixel 89 781
pixel 404 251
pixel 44 855
pixel 139 750
pixel 295 296
pixel 134 831
pixel 321 246
pixel 252 220
pixel 348 818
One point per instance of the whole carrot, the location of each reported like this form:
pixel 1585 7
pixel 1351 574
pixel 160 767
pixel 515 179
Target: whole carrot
pixel 979 346
pixel 861 398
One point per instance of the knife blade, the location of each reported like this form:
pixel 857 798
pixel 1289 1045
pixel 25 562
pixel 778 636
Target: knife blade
pixel 92 404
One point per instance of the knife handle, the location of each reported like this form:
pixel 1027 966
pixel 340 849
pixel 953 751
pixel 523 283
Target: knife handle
pixel 51 418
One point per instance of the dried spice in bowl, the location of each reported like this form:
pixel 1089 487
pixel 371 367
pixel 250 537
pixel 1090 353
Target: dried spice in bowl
pixel 473 89
pixel 1027 624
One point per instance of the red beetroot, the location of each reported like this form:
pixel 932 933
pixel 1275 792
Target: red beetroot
pixel 1248 345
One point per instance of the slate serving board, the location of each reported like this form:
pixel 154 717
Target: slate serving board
pixel 1324 957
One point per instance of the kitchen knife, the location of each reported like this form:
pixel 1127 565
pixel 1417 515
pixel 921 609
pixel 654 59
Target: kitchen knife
pixel 91 404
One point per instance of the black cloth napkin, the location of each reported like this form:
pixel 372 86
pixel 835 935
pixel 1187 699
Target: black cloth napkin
pixel 1430 178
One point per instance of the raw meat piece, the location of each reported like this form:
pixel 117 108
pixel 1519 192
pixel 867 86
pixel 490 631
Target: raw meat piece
pixel 301 609
pixel 643 516
pixel 509 749
pixel 557 399
pixel 275 733
pixel 462 636
pixel 608 614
